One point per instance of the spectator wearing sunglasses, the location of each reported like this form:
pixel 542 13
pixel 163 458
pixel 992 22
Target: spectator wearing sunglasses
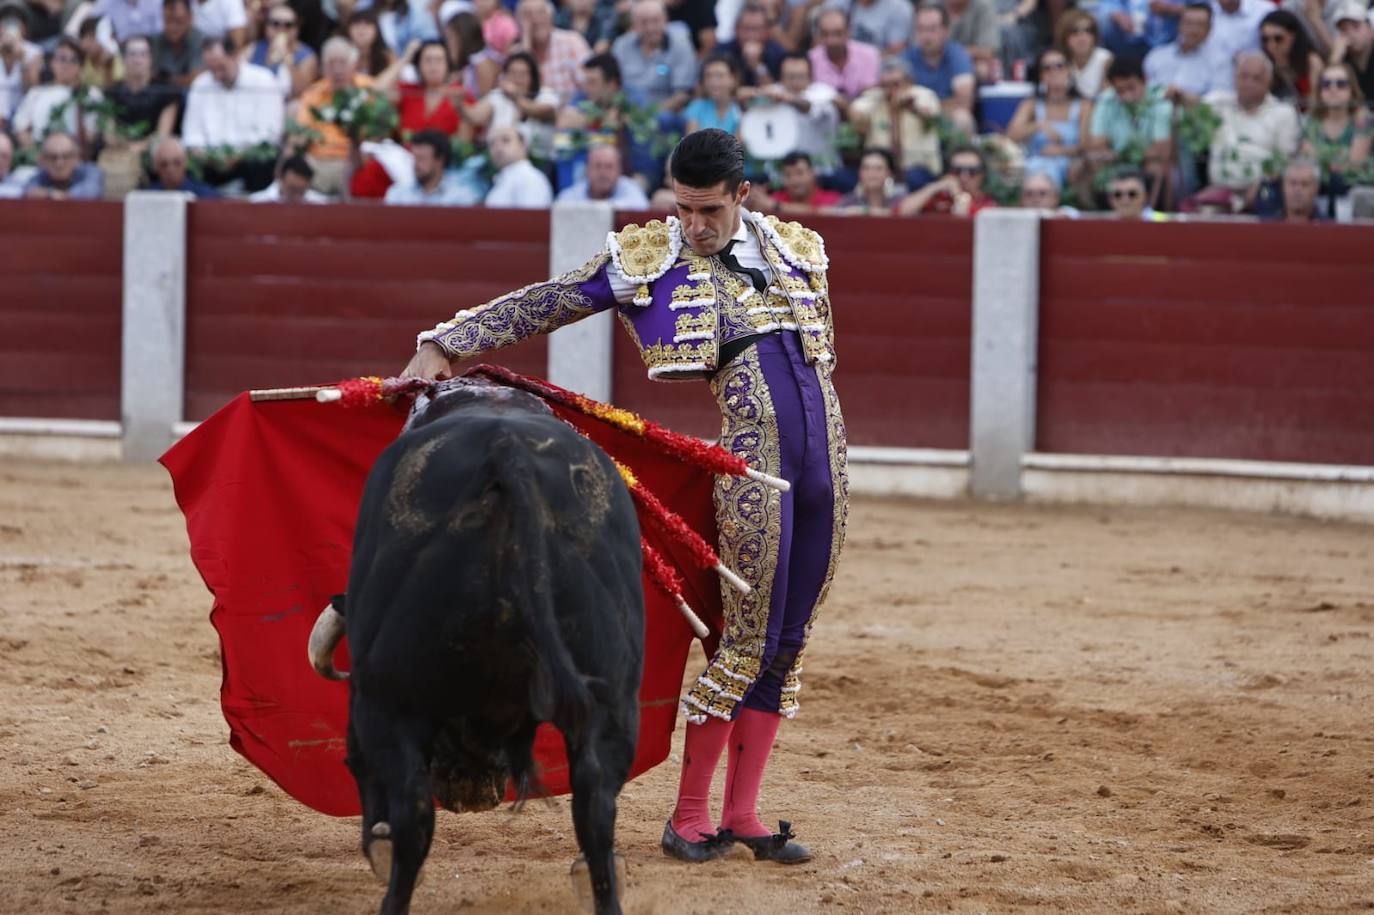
pixel 958 193
pixel 1284 40
pixel 1338 131
pixel 1076 34
pixel 35 115
pixel 1127 199
pixel 281 50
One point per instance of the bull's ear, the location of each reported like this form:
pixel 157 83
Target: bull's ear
pixel 337 602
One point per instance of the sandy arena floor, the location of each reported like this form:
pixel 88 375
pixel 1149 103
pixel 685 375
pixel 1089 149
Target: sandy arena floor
pixel 1007 708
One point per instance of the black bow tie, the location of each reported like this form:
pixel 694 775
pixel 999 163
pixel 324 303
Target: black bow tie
pixel 755 275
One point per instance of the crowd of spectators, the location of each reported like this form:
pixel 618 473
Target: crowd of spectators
pixel 1133 108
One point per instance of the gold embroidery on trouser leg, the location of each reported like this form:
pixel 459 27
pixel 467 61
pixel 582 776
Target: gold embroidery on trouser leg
pixel 749 519
pixel 836 440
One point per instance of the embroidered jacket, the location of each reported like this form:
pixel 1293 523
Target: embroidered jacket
pixel 685 307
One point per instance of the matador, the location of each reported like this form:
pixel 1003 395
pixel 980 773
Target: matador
pixel 721 294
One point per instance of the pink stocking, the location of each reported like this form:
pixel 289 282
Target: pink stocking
pixel 692 816
pixel 752 742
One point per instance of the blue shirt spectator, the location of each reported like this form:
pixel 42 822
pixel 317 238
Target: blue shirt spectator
pixel 939 77
pixel 605 181
pixel 62 174
pixel 1130 27
pixel 664 73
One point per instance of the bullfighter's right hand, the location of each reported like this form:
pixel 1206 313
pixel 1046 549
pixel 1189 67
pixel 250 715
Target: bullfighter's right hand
pixel 430 362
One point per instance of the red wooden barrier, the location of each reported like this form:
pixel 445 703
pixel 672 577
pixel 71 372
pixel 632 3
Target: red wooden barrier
pixel 901 293
pixel 60 272
pixel 288 295
pixel 1207 340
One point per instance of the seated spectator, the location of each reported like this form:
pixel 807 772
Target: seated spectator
pixel 520 100
pixel 61 173
pixel 34 117
pixel 292 184
pixel 884 24
pixel 170 162
pixel 595 20
pixel 717 106
pixel 517 184
pixel 127 17
pixel 1339 130
pixel 757 55
pixel 1027 28
pixel 697 18
pixel 1354 44
pixel 432 186
pixel 849 66
pixel 141 106
pixel 557 52
pixel 898 117
pixel 477 66
pixel 329 157
pixel 48 20
pixel 1134 27
pixel 959 193
pixel 1040 193
pixel 178 49
pixel 499 28
pixel 1076 35
pixel 1130 116
pixel 1189 68
pixel 1236 27
pixel 974 26
pixel 235 106
pixel 656 62
pixel 292 62
pixel 374 57
pixel 605 181
pixel 1296 65
pixel 877 192
pixel 1301 182
pixel 942 66
pixel 21 61
pixel 10 184
pixel 1127 197
pixel 221 19
pixel 1054 124
pixel 1255 127
pixel 800 193
pixel 815 102
pixel 596 107
pixel 102 67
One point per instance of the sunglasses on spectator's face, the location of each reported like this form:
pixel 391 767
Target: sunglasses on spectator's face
pixel 1335 84
pixel 1125 193
pixel 966 169
pixel 281 23
pixel 1081 30
pixel 1050 66
pixel 1273 37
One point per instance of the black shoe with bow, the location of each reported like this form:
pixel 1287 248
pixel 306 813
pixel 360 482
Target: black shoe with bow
pixel 778 847
pixel 710 847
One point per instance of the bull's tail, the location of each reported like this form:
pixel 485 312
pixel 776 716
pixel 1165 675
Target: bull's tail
pixel 559 692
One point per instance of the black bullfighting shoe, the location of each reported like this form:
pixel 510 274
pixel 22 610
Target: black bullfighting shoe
pixel 778 847
pixel 709 848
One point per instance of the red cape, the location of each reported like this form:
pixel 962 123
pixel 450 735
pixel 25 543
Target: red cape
pixel 270 491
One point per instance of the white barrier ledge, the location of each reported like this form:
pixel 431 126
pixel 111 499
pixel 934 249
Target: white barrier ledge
pixel 60 439
pixel 1219 467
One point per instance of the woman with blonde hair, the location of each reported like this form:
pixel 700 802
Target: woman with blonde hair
pixel 1338 133
pixel 1076 33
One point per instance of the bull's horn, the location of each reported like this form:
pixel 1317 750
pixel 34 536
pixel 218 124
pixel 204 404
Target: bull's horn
pixel 324 638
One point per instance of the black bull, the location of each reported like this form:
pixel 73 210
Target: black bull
pixel 495 584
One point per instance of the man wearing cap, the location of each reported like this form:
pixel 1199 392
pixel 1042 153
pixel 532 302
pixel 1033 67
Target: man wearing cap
pixel 1354 43
pixel 739 300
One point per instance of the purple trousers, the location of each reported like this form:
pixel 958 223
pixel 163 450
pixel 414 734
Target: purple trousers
pixel 782 416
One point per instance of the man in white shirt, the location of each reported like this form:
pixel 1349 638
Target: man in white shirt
pixel 605 181
pixel 431 152
pixel 815 102
pixel 518 184
pixel 20 59
pixel 1255 128
pixel 237 105
pixel 220 18
pixel 1189 68
pixel 292 185
pixel 11 185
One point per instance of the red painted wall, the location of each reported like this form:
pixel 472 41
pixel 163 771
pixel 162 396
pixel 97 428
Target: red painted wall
pixel 901 293
pixel 60 301
pixel 1207 340
pixel 283 295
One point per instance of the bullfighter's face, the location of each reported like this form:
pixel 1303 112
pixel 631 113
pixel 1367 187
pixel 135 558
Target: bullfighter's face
pixel 710 215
